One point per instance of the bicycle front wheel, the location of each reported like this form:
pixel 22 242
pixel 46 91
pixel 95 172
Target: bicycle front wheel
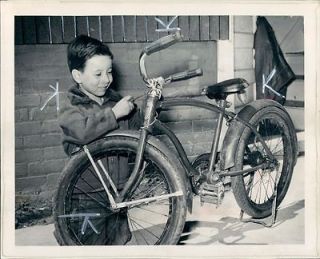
pixel 81 197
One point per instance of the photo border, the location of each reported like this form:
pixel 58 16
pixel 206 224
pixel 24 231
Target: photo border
pixel 308 9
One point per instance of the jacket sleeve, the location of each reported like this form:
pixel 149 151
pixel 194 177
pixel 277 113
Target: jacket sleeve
pixel 81 128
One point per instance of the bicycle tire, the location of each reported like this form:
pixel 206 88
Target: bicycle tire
pixel 164 171
pixel 276 128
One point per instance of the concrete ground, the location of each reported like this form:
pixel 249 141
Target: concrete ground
pixel 208 225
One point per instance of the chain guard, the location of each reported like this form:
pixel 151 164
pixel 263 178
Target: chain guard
pixel 210 193
pixel 201 164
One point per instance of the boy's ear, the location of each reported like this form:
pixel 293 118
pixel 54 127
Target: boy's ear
pixel 76 74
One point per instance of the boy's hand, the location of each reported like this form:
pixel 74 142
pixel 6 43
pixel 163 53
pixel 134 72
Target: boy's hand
pixel 123 107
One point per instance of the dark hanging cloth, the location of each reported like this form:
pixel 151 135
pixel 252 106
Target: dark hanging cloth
pixel 270 62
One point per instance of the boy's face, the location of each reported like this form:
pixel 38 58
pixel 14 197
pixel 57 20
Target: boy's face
pixel 96 76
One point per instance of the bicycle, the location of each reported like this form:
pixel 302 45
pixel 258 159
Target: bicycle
pixel 259 152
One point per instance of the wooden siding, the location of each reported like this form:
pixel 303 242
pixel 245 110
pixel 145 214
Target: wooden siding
pixel 126 29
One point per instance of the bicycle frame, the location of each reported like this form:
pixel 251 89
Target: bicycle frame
pixel 154 104
pixel 151 121
pixel 223 114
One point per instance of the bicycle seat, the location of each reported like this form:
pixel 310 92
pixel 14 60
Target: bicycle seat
pixel 223 89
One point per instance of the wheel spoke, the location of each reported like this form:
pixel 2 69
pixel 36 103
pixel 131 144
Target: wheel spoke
pixel 98 190
pixel 279 142
pixel 91 187
pixel 139 232
pixel 269 184
pixel 142 227
pixel 272 179
pixel 152 211
pixel 265 188
pixel 76 236
pixel 149 191
pixel 90 196
pixel 264 122
pixel 142 220
pixel 133 229
pixel 258 194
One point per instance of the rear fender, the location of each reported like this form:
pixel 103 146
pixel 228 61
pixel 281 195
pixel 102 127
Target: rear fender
pixel 231 140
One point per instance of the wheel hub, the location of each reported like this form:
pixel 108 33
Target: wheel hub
pixel 255 158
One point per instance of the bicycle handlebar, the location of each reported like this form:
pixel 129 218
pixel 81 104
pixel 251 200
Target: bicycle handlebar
pixel 184 75
pixel 158 45
pixel 162 43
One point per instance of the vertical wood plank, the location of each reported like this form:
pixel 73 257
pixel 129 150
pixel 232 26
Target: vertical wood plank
pixel 130 28
pixel 69 28
pixel 194 28
pixel 214 27
pixel 18 33
pixel 118 34
pixel 56 29
pixel 204 27
pixel 94 30
pixel 175 23
pixel 164 19
pixel 151 28
pixel 29 30
pixel 141 29
pixel 184 26
pixel 82 25
pixel 106 29
pixel 224 27
pixel 42 29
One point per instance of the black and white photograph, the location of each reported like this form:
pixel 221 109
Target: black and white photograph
pixel 124 129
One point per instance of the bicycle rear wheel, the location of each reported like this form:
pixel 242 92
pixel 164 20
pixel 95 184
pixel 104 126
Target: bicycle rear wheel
pixel 255 192
pixel 81 194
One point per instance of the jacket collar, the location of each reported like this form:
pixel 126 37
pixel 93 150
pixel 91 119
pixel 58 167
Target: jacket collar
pixel 76 96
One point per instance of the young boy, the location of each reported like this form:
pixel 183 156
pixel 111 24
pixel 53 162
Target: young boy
pixel 92 110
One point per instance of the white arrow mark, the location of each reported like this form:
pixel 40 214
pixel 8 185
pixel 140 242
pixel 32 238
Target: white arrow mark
pixel 166 27
pixel 265 83
pixel 55 94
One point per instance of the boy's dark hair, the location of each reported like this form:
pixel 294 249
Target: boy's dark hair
pixel 83 48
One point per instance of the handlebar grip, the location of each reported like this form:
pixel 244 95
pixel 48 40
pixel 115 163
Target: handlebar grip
pixel 186 75
pixel 162 43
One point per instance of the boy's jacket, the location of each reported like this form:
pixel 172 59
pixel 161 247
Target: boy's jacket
pixel 83 120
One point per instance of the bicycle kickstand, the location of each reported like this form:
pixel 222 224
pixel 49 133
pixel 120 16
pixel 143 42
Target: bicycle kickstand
pixel 273 211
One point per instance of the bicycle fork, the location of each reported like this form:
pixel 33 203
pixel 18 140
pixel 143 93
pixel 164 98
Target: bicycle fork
pixel 118 202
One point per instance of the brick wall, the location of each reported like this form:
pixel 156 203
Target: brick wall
pixel 39 154
pixel 39 157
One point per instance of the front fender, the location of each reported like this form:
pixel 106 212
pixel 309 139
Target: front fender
pixel 154 141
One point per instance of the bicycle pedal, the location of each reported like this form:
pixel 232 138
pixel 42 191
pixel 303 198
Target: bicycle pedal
pixel 211 193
